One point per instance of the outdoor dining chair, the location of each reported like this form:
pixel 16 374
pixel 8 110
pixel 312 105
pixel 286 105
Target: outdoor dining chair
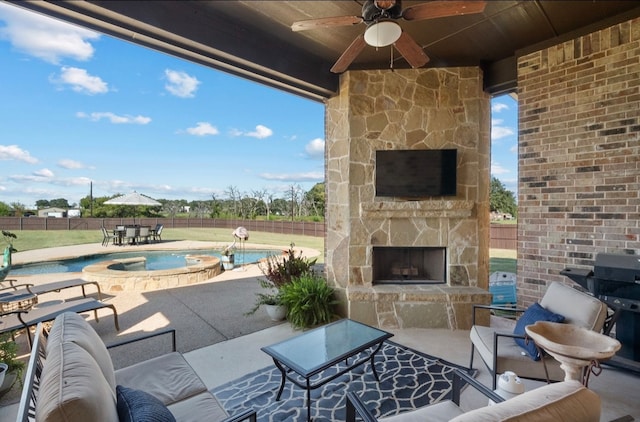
pixel 144 234
pixel 130 235
pixel 157 232
pixel 106 237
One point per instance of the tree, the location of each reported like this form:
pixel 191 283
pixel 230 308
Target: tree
pixel 18 208
pixel 502 200
pixel 59 203
pixel 5 210
pixel 316 199
pixel 42 203
pixel 172 208
pixel 234 195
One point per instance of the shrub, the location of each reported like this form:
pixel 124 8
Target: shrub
pixel 309 300
pixel 280 270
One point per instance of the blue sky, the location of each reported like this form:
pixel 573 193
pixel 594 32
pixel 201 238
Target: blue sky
pixel 80 107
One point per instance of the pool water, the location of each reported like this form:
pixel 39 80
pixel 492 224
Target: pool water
pixel 156 260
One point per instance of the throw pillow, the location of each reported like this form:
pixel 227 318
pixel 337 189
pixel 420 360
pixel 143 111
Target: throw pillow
pixel 139 406
pixel 533 314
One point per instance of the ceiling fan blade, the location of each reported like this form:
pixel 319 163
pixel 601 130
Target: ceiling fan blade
pixel 326 22
pixel 442 8
pixel 411 51
pixel 349 55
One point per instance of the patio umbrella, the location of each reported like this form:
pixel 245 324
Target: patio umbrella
pixel 134 199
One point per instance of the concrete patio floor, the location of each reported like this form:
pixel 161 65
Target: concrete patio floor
pixel 222 344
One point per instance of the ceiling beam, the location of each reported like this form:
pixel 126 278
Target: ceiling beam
pixel 208 40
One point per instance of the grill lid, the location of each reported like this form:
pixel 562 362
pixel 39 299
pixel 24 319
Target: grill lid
pixel 617 267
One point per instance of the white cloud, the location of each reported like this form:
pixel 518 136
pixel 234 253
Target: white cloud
pixel 80 81
pixel 70 164
pixel 46 173
pixel 498 131
pixel 202 129
pixel 14 152
pixel 496 168
pixel 180 84
pixel 294 177
pixel 45 38
pixel 260 132
pixel 72 181
pixel 498 107
pixel 315 148
pixel 114 118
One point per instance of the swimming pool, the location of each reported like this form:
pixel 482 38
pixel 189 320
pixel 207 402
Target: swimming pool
pixel 155 260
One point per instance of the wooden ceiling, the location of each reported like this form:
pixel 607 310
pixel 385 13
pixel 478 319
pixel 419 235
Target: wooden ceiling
pixel 253 39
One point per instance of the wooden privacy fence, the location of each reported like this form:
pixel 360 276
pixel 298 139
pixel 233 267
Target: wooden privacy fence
pixel 41 223
pixel 502 236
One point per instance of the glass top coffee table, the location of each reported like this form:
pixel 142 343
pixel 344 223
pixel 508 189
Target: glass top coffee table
pixel 314 351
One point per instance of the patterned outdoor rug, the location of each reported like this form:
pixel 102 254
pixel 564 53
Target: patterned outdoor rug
pixel 408 380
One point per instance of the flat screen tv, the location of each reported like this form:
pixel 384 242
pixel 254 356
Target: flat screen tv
pixel 416 173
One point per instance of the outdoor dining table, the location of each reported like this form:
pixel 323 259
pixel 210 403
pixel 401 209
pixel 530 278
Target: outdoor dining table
pixel 121 231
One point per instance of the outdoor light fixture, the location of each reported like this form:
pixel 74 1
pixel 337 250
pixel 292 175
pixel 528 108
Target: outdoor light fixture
pixel 382 33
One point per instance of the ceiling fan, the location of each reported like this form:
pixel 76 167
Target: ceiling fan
pixel 380 17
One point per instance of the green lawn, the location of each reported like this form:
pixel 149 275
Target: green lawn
pixel 42 239
pixel 501 259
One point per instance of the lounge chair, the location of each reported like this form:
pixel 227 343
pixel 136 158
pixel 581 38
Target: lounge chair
pixel 18 320
pixel 55 286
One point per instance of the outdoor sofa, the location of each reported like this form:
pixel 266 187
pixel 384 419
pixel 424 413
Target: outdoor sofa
pixel 567 401
pixel 70 377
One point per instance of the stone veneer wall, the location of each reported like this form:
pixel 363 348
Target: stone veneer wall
pixel 408 109
pixel 579 155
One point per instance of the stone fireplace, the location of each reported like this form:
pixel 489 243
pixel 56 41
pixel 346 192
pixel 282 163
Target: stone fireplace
pixel 445 239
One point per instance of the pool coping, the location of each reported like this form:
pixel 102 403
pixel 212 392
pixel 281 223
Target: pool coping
pixel 114 275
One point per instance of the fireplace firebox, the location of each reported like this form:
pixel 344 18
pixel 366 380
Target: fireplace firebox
pixel 409 265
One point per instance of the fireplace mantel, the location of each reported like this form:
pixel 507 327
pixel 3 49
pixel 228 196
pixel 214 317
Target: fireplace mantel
pixel 419 209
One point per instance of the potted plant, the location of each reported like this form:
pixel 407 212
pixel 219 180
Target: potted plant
pixel 271 300
pixel 279 271
pixel 309 300
pixel 8 357
pixel 228 257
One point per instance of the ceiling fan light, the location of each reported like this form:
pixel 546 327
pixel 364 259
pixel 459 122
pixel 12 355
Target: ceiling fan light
pixel 382 34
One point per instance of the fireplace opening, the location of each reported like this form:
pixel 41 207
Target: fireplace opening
pixel 409 265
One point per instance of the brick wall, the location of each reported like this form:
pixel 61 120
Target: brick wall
pixel 579 155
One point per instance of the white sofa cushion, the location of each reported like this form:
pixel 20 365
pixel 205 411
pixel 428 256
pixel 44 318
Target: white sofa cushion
pixel 72 388
pixel 168 377
pixel 71 327
pixel 439 412
pixel 202 407
pixel 511 356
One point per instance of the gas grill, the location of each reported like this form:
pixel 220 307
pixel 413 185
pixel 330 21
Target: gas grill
pixel 615 280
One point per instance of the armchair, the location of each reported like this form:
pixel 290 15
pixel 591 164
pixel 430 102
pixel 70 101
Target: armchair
pixel 568 401
pixel 577 308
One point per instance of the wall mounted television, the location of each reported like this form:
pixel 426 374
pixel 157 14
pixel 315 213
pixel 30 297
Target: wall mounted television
pixel 416 173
